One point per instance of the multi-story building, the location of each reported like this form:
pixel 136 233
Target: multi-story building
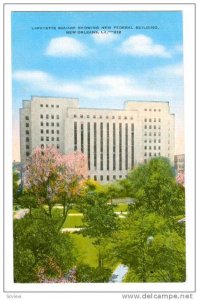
pixel 179 163
pixel 114 140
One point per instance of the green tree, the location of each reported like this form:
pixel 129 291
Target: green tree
pixel 99 219
pixel 40 252
pixel 154 187
pixel 153 252
pixel 15 182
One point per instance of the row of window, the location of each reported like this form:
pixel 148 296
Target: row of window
pixel 100 117
pixel 152 134
pixel 154 147
pixel 48 138
pixel 152 127
pixel 57 146
pixel 42 131
pixel 150 109
pixel 107 177
pixel 152 141
pixel 47 116
pixel 48 105
pixel 152 120
pixel 152 154
pixel 49 124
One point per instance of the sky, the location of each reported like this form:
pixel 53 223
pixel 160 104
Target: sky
pixel 102 58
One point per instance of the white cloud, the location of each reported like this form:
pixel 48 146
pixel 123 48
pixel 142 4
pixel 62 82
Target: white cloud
pixel 104 38
pixel 66 46
pixel 142 45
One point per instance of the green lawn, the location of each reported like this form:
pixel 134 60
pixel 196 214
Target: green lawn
pixel 121 207
pixel 87 253
pixel 73 221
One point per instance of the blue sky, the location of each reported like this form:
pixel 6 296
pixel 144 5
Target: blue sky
pixel 101 69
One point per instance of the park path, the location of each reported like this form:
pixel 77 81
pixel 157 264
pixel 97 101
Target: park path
pixel 119 274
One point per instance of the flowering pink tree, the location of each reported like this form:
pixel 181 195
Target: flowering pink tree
pixel 180 178
pixel 49 175
pixel 73 174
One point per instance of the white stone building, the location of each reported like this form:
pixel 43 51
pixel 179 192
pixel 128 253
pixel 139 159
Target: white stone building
pixel 114 140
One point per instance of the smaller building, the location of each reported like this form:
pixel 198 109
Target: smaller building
pixel 179 163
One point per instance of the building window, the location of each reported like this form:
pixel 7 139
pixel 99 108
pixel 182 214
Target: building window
pixel 107 145
pixel 41 131
pixel 52 105
pixel 52 123
pixel 57 106
pixel 89 145
pixel 27 124
pixel 42 124
pixel 52 131
pixel 27 139
pixel 57 131
pixel 145 147
pixel 149 147
pixel 154 141
pixel 114 147
pixel 27 131
pixel 47 124
pixel 27 147
pixel 95 177
pixel 154 109
pixel 41 116
pixel 75 116
pixel 46 105
pixel 100 117
pixel 57 139
pixel 154 127
pixel 75 136
pixel 106 117
pixel 119 117
pixel 52 138
pixel 145 126
pixel 47 131
pixel 154 134
pixel 120 146
pixel 113 117
pixel 154 120
pixel 57 124
pixel 101 146
pixel 159 120
pixel 41 105
pixel 149 133
pixel 47 116
pixel 42 138
pixel 132 145
pixel 114 177
pixel 145 120
pixel 47 138
pixel 88 117
pixel 27 153
pixel 159 147
pixel 52 116
pixel 145 109
pixel 125 118
pixel 159 109
pixel 81 116
pixel 101 177
pixel 126 146
pixel 27 118
pixel 154 147
pixel 82 138
pixel 95 144
pixel 149 153
pixel 145 154
pixel 94 117
pixel 159 141
pixel 107 177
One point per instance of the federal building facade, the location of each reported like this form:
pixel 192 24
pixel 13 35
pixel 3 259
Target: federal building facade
pixel 114 140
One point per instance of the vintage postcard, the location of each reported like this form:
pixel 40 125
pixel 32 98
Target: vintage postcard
pixel 99 148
